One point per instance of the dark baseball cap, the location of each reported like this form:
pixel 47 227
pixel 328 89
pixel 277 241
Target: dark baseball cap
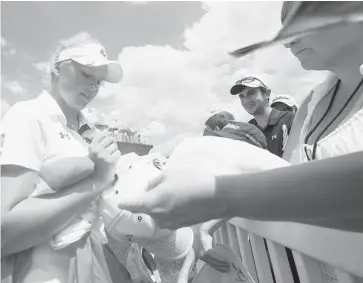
pixel 251 82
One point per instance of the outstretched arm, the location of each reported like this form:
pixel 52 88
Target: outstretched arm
pixel 325 191
pixel 313 192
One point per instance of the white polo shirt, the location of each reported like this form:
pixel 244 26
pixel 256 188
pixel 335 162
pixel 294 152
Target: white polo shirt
pixel 34 134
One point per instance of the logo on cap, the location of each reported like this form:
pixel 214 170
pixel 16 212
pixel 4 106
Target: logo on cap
pixel 280 98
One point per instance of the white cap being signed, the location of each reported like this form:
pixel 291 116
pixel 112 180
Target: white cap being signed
pixel 141 228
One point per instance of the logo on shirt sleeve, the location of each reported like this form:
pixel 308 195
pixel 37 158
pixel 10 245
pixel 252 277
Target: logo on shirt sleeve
pixel 64 136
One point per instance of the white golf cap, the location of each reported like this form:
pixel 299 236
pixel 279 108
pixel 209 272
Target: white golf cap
pixel 141 228
pixel 283 98
pixel 91 54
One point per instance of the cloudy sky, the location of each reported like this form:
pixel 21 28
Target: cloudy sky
pixel 177 70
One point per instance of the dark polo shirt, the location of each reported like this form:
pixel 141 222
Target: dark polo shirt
pixel 274 132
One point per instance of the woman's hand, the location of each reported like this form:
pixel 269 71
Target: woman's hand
pixel 105 154
pixel 179 198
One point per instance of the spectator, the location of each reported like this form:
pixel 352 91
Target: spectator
pixel 283 102
pixel 275 124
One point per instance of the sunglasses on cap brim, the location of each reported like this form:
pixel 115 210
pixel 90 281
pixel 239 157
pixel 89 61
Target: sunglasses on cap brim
pixel 241 84
pixel 252 80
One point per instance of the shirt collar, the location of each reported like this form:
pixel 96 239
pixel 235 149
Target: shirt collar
pixel 273 119
pixel 52 109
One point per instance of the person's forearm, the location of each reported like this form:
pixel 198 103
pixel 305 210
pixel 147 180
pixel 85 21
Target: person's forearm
pixel 211 226
pixel 35 220
pixel 326 189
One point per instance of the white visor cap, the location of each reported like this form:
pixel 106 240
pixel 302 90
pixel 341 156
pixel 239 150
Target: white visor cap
pixel 91 54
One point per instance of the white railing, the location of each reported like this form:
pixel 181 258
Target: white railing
pixel 320 254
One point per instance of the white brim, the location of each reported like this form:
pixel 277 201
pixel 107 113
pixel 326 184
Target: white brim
pixel 114 69
pixel 164 243
pixel 283 102
pixel 114 72
pixel 175 245
pixel 236 89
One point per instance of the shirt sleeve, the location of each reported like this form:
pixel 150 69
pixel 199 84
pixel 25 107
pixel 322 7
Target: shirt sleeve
pixel 290 121
pixel 286 128
pixel 21 139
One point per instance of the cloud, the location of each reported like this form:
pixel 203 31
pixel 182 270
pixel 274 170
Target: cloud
pixel 3 42
pixel 42 66
pixel 179 88
pixel 77 38
pixel 155 131
pixel 167 148
pixel 15 87
pixel 11 52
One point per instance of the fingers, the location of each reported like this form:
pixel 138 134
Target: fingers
pixel 138 204
pixel 105 146
pixel 111 148
pixel 103 141
pixel 114 152
pixel 187 267
pixel 155 182
pixel 98 137
pixel 114 157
